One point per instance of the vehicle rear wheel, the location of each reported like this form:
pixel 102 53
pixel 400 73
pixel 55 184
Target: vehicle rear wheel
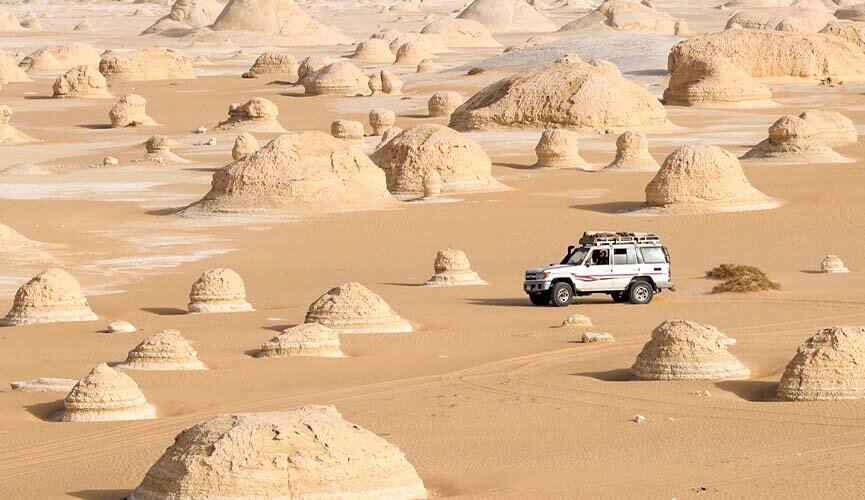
pixel 619 297
pixel 641 293
pixel 540 299
pixel 561 294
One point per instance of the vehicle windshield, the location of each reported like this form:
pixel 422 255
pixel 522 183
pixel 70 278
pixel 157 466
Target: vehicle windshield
pixel 576 257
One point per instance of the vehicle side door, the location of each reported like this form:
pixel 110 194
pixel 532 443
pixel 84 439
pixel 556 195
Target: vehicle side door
pixel 625 265
pixel 597 271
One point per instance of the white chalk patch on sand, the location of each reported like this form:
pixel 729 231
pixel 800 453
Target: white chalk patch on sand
pixel 136 263
pixel 107 191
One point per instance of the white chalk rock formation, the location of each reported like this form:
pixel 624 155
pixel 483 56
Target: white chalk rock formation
pixel 8 21
pixel 792 140
pixel 106 394
pixel 832 264
pixel 559 148
pixel 44 384
pixel 381 120
pixel 632 154
pixel 775 54
pixel 427 66
pixel 410 54
pixel 452 268
pixel 11 240
pixel 577 321
pixel 83 26
pixel 130 111
pixel 281 21
pixel 505 16
pixel 354 308
pixel 703 177
pixel 9 135
pixel 461 33
pixel 56 58
pixel 802 18
pixel 415 153
pixel 9 70
pixel 244 145
pixel 218 290
pixel 273 64
pixel 186 16
pixel 82 81
pixel 167 350
pixel 158 151
pixel 306 339
pixel 374 50
pixel 53 296
pixel 444 103
pixel 307 172
pixel 310 65
pixel 592 337
pixel 715 81
pixel 120 326
pixel 339 78
pixel 146 64
pixel 347 129
pixel 311 452
pixel 830 127
pixel 828 366
pixel 627 15
pixel 685 350
pixel 569 94
pixel 255 115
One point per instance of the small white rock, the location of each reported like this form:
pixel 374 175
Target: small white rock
pixel 120 327
pixel 200 130
pixel 639 419
pixel 110 160
pixel 590 337
pixel 211 142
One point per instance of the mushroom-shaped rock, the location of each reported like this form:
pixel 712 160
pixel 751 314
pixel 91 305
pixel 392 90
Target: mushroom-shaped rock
pixel 306 339
pixel 833 264
pixel 354 308
pixel 830 127
pixel 311 452
pixel 82 81
pixel 700 176
pixel 106 394
pixel 444 103
pixel 218 290
pixel 56 58
pixel 256 115
pixel 53 296
pixel 130 111
pixel 559 148
pixel 685 350
pixel 461 33
pixel 9 135
pixel 146 64
pixel 307 172
pixel 244 145
pixel 281 20
pixel 452 268
pixel 632 153
pixel 186 16
pixel 410 54
pixel 167 350
pixel 374 50
pixel 626 15
pixel 503 16
pixel 792 140
pixel 339 78
pixel 390 83
pixel 408 159
pixel 380 120
pixel 715 81
pixel 828 366
pixel 273 63
pixel 568 93
pixel 767 54
pixel 347 129
pixel 310 65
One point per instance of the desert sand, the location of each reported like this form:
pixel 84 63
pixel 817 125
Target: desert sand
pixel 487 396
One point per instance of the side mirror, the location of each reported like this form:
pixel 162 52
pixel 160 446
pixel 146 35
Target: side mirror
pixel 571 249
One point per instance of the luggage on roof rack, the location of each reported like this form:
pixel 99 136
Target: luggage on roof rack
pixel 601 237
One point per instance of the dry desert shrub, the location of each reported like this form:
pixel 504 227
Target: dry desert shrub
pixel 740 278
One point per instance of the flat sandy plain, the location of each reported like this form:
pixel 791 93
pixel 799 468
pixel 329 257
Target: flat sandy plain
pixel 488 398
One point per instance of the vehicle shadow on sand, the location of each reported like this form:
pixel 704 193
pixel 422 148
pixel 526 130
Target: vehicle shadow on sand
pixel 612 207
pixel 100 494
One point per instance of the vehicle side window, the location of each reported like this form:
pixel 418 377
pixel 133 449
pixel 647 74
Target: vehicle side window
pixel 624 256
pixel 653 255
pixel 600 257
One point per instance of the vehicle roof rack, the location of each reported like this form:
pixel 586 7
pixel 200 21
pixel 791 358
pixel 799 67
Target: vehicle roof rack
pixel 601 237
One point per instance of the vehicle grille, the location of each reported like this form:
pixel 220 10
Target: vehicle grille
pixel 531 276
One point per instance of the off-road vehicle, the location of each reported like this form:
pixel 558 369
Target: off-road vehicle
pixel 630 267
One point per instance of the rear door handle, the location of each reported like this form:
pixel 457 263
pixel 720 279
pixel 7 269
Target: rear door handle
pixel 657 269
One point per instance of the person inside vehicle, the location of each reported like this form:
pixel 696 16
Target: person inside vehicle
pixel 600 258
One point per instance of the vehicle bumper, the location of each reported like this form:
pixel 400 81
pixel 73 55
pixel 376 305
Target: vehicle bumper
pixel 667 286
pixel 536 286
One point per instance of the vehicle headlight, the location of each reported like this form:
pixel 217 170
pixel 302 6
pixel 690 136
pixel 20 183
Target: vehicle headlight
pixel 543 276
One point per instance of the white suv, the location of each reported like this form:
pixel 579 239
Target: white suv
pixel 629 267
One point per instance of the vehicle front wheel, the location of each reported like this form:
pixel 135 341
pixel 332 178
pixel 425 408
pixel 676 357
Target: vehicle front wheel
pixel 641 293
pixel 540 299
pixel 561 294
pixel 619 297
